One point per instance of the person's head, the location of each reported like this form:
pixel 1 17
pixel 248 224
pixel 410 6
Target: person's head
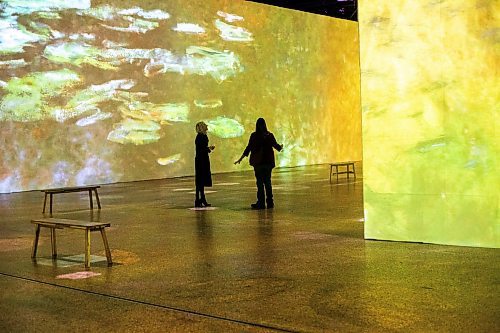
pixel 201 127
pixel 260 126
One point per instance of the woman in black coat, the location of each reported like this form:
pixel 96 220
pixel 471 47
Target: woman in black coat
pixel 203 176
pixel 260 147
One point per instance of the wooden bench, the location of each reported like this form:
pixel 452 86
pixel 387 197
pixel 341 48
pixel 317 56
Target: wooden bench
pixel 53 191
pixel 347 171
pixel 54 224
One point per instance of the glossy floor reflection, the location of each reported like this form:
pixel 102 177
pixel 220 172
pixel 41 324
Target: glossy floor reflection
pixel 303 266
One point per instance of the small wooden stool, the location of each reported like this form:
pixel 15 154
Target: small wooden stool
pixel 347 164
pixel 54 224
pixel 53 191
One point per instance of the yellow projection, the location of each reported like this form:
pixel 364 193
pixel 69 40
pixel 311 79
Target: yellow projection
pixel 430 104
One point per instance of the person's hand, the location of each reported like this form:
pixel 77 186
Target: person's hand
pixel 212 147
pixel 238 161
pixel 281 147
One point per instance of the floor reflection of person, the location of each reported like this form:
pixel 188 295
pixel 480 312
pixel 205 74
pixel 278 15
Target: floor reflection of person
pixel 203 175
pixel 266 244
pixel 260 147
pixel 205 244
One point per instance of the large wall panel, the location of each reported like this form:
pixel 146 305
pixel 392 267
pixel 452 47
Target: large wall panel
pixel 430 104
pixel 108 91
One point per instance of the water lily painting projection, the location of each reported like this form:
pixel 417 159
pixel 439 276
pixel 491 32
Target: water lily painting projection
pixel 107 91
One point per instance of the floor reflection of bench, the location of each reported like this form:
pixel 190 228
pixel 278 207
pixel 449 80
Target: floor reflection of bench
pixel 347 171
pixel 53 191
pixel 54 224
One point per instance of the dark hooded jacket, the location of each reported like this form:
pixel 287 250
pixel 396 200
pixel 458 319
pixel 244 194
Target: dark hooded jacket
pixel 260 147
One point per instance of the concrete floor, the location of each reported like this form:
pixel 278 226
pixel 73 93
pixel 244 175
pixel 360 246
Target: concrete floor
pixel 303 266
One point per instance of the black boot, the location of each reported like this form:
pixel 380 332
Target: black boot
pixel 270 203
pixel 197 203
pixel 204 202
pixel 258 205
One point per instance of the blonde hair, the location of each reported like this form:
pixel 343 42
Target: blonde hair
pixel 201 127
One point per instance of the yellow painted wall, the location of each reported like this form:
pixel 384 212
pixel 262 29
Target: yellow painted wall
pixel 430 91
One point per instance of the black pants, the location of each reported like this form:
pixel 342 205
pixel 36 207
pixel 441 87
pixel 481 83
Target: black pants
pixel 263 177
pixel 200 193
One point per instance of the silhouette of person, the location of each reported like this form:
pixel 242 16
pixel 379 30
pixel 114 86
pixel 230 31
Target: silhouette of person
pixel 260 147
pixel 203 175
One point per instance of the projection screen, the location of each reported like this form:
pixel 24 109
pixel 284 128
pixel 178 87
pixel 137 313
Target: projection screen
pixel 110 91
pixel 430 97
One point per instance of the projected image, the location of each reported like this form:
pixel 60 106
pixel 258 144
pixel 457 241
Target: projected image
pixel 430 116
pixel 107 91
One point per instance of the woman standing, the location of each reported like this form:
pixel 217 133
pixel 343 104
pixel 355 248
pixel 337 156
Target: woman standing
pixel 203 176
pixel 260 147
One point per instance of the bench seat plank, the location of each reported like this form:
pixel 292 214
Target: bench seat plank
pixel 70 189
pixel 342 163
pixel 70 223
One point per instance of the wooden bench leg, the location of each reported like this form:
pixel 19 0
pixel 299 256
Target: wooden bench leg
pixel 51 195
pixel 353 171
pixel 348 171
pixel 91 200
pixel 331 169
pixel 44 203
pixel 97 199
pixel 106 246
pixel 87 248
pixel 53 242
pixel 337 171
pixel 35 242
